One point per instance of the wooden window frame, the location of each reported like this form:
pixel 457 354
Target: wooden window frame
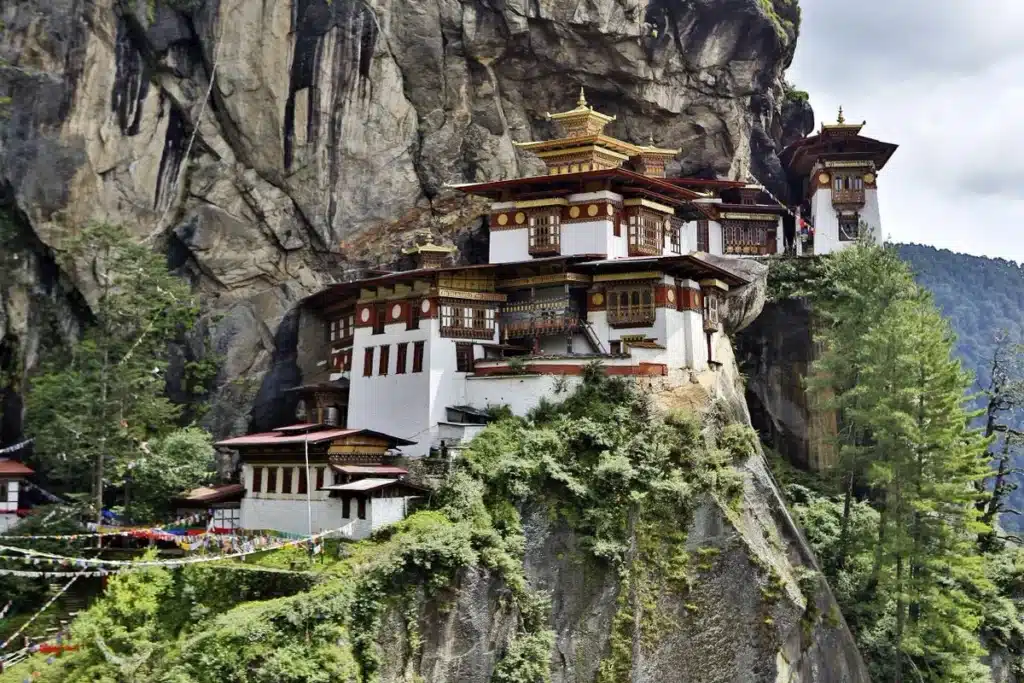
pixel 287 477
pixel 417 356
pixel 704 236
pixel 257 479
pixel 272 479
pixel 346 506
pixel 368 361
pixel 545 231
pixel 385 360
pixel 401 358
pixel 303 485
pixel 380 318
pixel 320 471
pixel 645 233
pixel 631 305
pixel 842 225
pixel 467 321
pixel 675 237
pixel 412 315
pixel 361 507
pixel 462 363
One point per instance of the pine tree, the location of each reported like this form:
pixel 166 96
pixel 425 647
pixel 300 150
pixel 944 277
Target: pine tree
pixel 93 406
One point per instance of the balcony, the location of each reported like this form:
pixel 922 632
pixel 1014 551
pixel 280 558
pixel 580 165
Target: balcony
pixel 538 318
pixel 847 197
pixel 460 332
pixel 639 316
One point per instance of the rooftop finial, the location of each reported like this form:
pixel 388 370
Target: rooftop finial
pixel 840 119
pixel 582 101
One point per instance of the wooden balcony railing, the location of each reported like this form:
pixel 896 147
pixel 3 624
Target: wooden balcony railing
pixel 634 316
pixel 457 332
pixel 848 197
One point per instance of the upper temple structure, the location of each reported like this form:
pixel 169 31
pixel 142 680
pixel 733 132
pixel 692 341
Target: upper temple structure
pixel 605 259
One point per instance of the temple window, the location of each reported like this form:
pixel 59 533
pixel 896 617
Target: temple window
pixel 703 236
pixel 257 479
pixel 417 357
pixel 712 319
pixel 368 362
pixel 303 484
pixel 385 358
pixel 271 480
pixel 361 508
pixel 848 188
pixel 380 318
pixel 645 229
pixel 467 321
pixel 286 480
pixel 401 357
pixel 849 227
pixel 674 237
pixel 320 478
pixel 464 357
pixel 748 238
pixel 631 306
pixel 412 312
pixel 545 232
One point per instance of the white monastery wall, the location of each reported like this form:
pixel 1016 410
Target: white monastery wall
pixel 688 236
pixel 289 515
pixel 521 393
pixel 384 511
pixel 871 215
pixel 8 522
pixel 590 237
pixel 12 488
pixel 507 246
pixel 825 222
pixel 716 243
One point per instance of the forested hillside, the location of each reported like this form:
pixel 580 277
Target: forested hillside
pixel 982 297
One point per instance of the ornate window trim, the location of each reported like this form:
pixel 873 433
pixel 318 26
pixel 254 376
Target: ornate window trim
pixel 631 305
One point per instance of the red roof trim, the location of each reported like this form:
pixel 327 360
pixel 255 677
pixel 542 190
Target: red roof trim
pixel 582 176
pixel 10 467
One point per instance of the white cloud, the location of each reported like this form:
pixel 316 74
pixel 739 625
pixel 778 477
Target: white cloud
pixel 942 79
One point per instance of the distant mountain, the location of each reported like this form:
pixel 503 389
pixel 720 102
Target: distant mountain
pixel 980 296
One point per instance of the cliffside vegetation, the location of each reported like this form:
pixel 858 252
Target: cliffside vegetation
pixel 898 525
pixel 622 477
pixel 984 301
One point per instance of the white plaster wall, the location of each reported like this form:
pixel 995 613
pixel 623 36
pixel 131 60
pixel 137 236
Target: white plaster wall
pixel 656 332
pixel 676 339
pixel 520 393
pixel 688 236
pixel 871 215
pixel 383 511
pixel 8 522
pixel 600 195
pixel 290 515
pixel 825 222
pixel 590 237
pixel 11 504
pixel 780 237
pixel 394 404
pixel 716 245
pixel 507 246
pixel 618 247
pixel 696 349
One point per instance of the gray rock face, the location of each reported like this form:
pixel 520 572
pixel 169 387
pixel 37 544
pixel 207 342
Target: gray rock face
pixel 747 619
pixel 333 128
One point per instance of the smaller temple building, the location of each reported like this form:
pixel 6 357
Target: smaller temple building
pixel 351 480
pixel 12 484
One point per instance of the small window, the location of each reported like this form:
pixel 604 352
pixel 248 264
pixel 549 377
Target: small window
pixel 412 320
pixel 362 507
pixel 703 236
pixel 380 318
pixel 385 359
pixel 257 479
pixel 479 319
pixel 616 347
pixel 319 478
pixel 401 357
pixel 286 480
pixel 368 362
pixel 617 225
pixel 346 506
pixel 463 357
pixel 303 486
pixel 271 480
pixel 674 238
pixel 417 357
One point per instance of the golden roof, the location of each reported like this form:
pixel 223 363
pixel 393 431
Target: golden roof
pixel 582 120
pixel 428 248
pixel 841 126
pixel 658 151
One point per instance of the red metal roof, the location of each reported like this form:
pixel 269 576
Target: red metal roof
pixel 279 437
pixel 214 494
pixel 369 469
pixel 13 468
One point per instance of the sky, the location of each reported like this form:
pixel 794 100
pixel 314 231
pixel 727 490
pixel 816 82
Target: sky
pixel 943 79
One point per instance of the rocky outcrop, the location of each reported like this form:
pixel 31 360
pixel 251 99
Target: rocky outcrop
pixel 332 128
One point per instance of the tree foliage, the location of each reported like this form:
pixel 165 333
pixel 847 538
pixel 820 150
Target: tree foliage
pixel 94 407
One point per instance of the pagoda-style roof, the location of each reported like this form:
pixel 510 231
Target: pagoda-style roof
pixel 838 142
pixel 429 247
pixel 616 179
pixel 582 120
pixel 301 433
pixel 685 265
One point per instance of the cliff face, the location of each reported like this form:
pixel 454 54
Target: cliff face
pixel 332 128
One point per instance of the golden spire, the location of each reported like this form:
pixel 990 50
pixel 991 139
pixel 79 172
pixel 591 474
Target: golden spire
pixel 840 119
pixel 582 101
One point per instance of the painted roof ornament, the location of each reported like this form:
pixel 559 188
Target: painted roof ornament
pixel 840 119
